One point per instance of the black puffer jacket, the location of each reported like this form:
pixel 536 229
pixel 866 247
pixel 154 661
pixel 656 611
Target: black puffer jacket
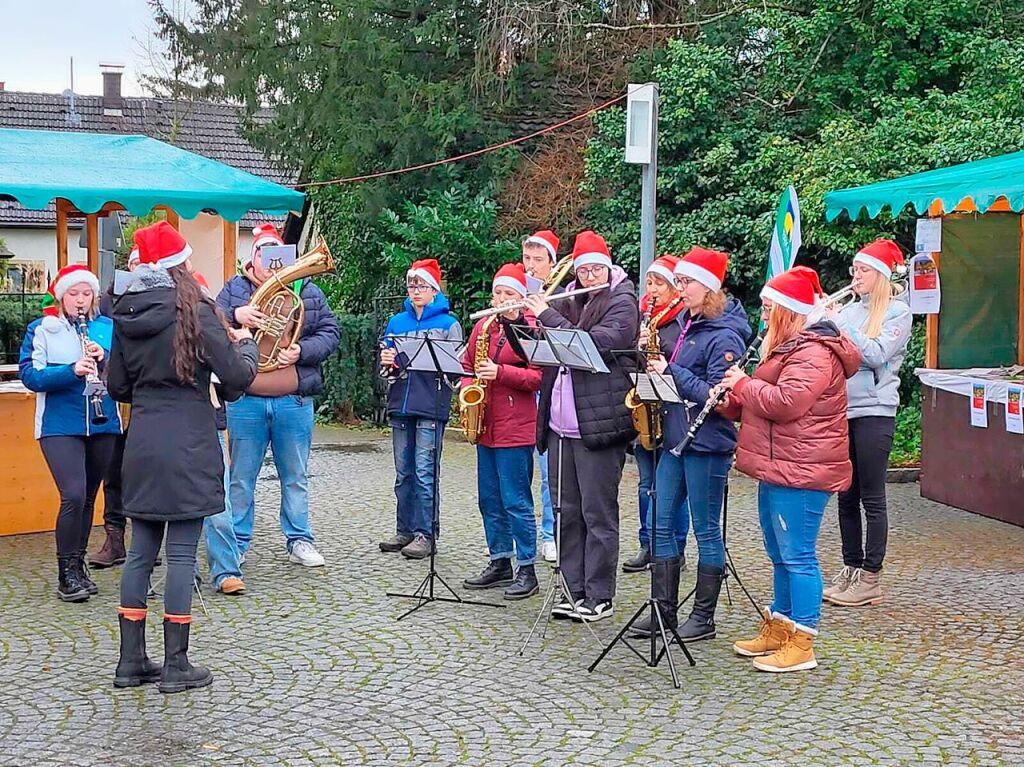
pixel 612 318
pixel 172 466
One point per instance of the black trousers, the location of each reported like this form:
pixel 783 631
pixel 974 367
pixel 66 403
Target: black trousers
pixel 113 509
pixel 590 514
pixel 870 444
pixel 77 465
pixel 182 539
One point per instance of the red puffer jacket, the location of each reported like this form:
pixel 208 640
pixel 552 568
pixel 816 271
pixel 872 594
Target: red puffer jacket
pixel 510 411
pixel 793 411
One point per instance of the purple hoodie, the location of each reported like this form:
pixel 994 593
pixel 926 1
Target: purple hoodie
pixel 563 418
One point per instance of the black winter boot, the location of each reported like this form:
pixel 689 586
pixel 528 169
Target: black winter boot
pixel 497 573
pixel 83 573
pixel 525 585
pixel 665 574
pixel 70 587
pixel 639 563
pixel 701 623
pixel 178 674
pixel 134 668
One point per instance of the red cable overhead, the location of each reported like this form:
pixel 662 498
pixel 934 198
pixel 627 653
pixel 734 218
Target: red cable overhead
pixel 467 155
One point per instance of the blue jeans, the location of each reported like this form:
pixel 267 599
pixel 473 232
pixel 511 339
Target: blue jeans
pixel 219 531
pixel 286 425
pixel 417 446
pixel 681 515
pixel 790 520
pixel 547 520
pixel 504 478
pixel 696 480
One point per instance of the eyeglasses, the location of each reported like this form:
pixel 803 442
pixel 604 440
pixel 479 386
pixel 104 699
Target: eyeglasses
pixel 416 287
pixel 589 271
pixel 683 282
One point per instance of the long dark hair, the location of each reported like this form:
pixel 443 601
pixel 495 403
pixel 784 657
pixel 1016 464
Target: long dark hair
pixel 187 339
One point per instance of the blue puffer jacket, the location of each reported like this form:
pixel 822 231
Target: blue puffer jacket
pixel 710 347
pixel 47 366
pixel 320 333
pixel 415 392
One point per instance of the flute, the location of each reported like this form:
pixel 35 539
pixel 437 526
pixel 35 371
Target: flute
pixel 522 304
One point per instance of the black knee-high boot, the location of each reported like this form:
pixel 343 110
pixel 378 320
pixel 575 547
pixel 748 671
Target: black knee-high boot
pixel 665 574
pixel 701 623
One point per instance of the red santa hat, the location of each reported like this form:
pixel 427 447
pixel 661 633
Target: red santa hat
pixel 590 249
pixel 203 284
pixel 263 234
pixel 705 266
pixel 161 246
pixel 133 257
pixel 547 240
pixel 797 289
pixel 883 255
pixel 428 270
pixel 511 276
pixel 73 274
pixel 664 267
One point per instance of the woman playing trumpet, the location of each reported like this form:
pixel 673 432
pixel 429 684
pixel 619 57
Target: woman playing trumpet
pixel 506 421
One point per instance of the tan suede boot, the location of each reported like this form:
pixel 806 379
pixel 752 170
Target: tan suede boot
pixel 865 589
pixel 775 630
pixel 840 583
pixel 797 654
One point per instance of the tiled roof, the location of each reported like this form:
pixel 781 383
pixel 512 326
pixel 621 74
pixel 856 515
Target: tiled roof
pixel 212 130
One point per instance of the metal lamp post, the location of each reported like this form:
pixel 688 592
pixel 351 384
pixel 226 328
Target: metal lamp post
pixel 642 149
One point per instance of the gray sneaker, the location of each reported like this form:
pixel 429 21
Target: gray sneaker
pixel 419 548
pixel 396 542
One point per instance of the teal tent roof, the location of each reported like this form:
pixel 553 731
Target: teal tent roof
pixel 983 181
pixel 139 173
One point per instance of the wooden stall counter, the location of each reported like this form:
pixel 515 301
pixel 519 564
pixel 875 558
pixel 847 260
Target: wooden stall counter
pixel 29 498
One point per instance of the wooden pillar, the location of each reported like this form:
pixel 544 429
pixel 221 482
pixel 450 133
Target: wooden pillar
pixel 1020 302
pixel 62 235
pixel 172 217
pixel 931 328
pixel 230 249
pixel 92 239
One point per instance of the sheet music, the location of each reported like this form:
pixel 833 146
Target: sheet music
pixel 655 387
pixel 418 353
pixel 533 285
pixel 576 349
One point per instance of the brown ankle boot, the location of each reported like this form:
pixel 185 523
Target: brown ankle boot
pixel 775 631
pixel 865 589
pixel 797 654
pixel 112 552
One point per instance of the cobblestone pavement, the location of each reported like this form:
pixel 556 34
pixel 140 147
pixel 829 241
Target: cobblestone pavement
pixel 312 668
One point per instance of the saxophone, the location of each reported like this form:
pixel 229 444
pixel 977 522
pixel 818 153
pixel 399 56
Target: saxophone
pixel 647 416
pixel 473 398
pixel 283 306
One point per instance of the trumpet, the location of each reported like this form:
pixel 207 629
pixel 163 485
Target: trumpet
pixel 842 298
pixel 522 304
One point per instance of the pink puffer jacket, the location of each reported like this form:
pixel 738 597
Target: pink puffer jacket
pixel 793 411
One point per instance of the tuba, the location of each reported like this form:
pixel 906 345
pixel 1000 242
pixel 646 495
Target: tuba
pixel 283 306
pixel 646 416
pixel 473 398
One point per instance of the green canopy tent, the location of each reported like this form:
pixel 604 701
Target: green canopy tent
pixel 980 326
pixel 92 174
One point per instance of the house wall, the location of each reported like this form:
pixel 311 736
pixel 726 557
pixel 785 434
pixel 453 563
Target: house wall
pixel 41 245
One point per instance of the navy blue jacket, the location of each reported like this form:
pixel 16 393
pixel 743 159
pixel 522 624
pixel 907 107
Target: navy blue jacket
pixel 710 347
pixel 320 333
pixel 417 393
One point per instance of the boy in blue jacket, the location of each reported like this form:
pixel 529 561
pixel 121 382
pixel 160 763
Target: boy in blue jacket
pixel 418 406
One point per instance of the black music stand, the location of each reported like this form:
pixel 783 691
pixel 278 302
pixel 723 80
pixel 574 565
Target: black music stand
pixel 443 358
pixel 654 390
pixel 730 567
pixel 566 350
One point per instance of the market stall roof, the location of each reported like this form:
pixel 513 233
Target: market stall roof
pixel 136 172
pixel 982 182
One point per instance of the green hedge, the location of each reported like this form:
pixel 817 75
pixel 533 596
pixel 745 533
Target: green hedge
pixel 349 373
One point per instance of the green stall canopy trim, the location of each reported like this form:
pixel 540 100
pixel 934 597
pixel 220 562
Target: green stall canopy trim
pixel 137 172
pixel 983 181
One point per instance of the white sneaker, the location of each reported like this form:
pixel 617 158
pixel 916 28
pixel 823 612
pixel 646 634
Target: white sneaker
pixel 304 553
pixel 547 550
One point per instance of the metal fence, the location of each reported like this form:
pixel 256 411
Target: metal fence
pixel 17 310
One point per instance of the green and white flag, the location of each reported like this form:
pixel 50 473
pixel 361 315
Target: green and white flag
pixel 785 236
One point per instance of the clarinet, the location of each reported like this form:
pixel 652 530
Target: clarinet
pixel 714 402
pixel 94 388
pixel 386 372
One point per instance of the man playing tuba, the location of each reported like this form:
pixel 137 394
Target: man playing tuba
pixel 277 410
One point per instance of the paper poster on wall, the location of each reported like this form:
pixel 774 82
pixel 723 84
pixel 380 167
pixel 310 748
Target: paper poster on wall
pixel 979 412
pixel 1014 419
pixel 925 291
pixel 929 235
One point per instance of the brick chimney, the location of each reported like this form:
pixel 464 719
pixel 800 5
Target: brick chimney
pixel 113 103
